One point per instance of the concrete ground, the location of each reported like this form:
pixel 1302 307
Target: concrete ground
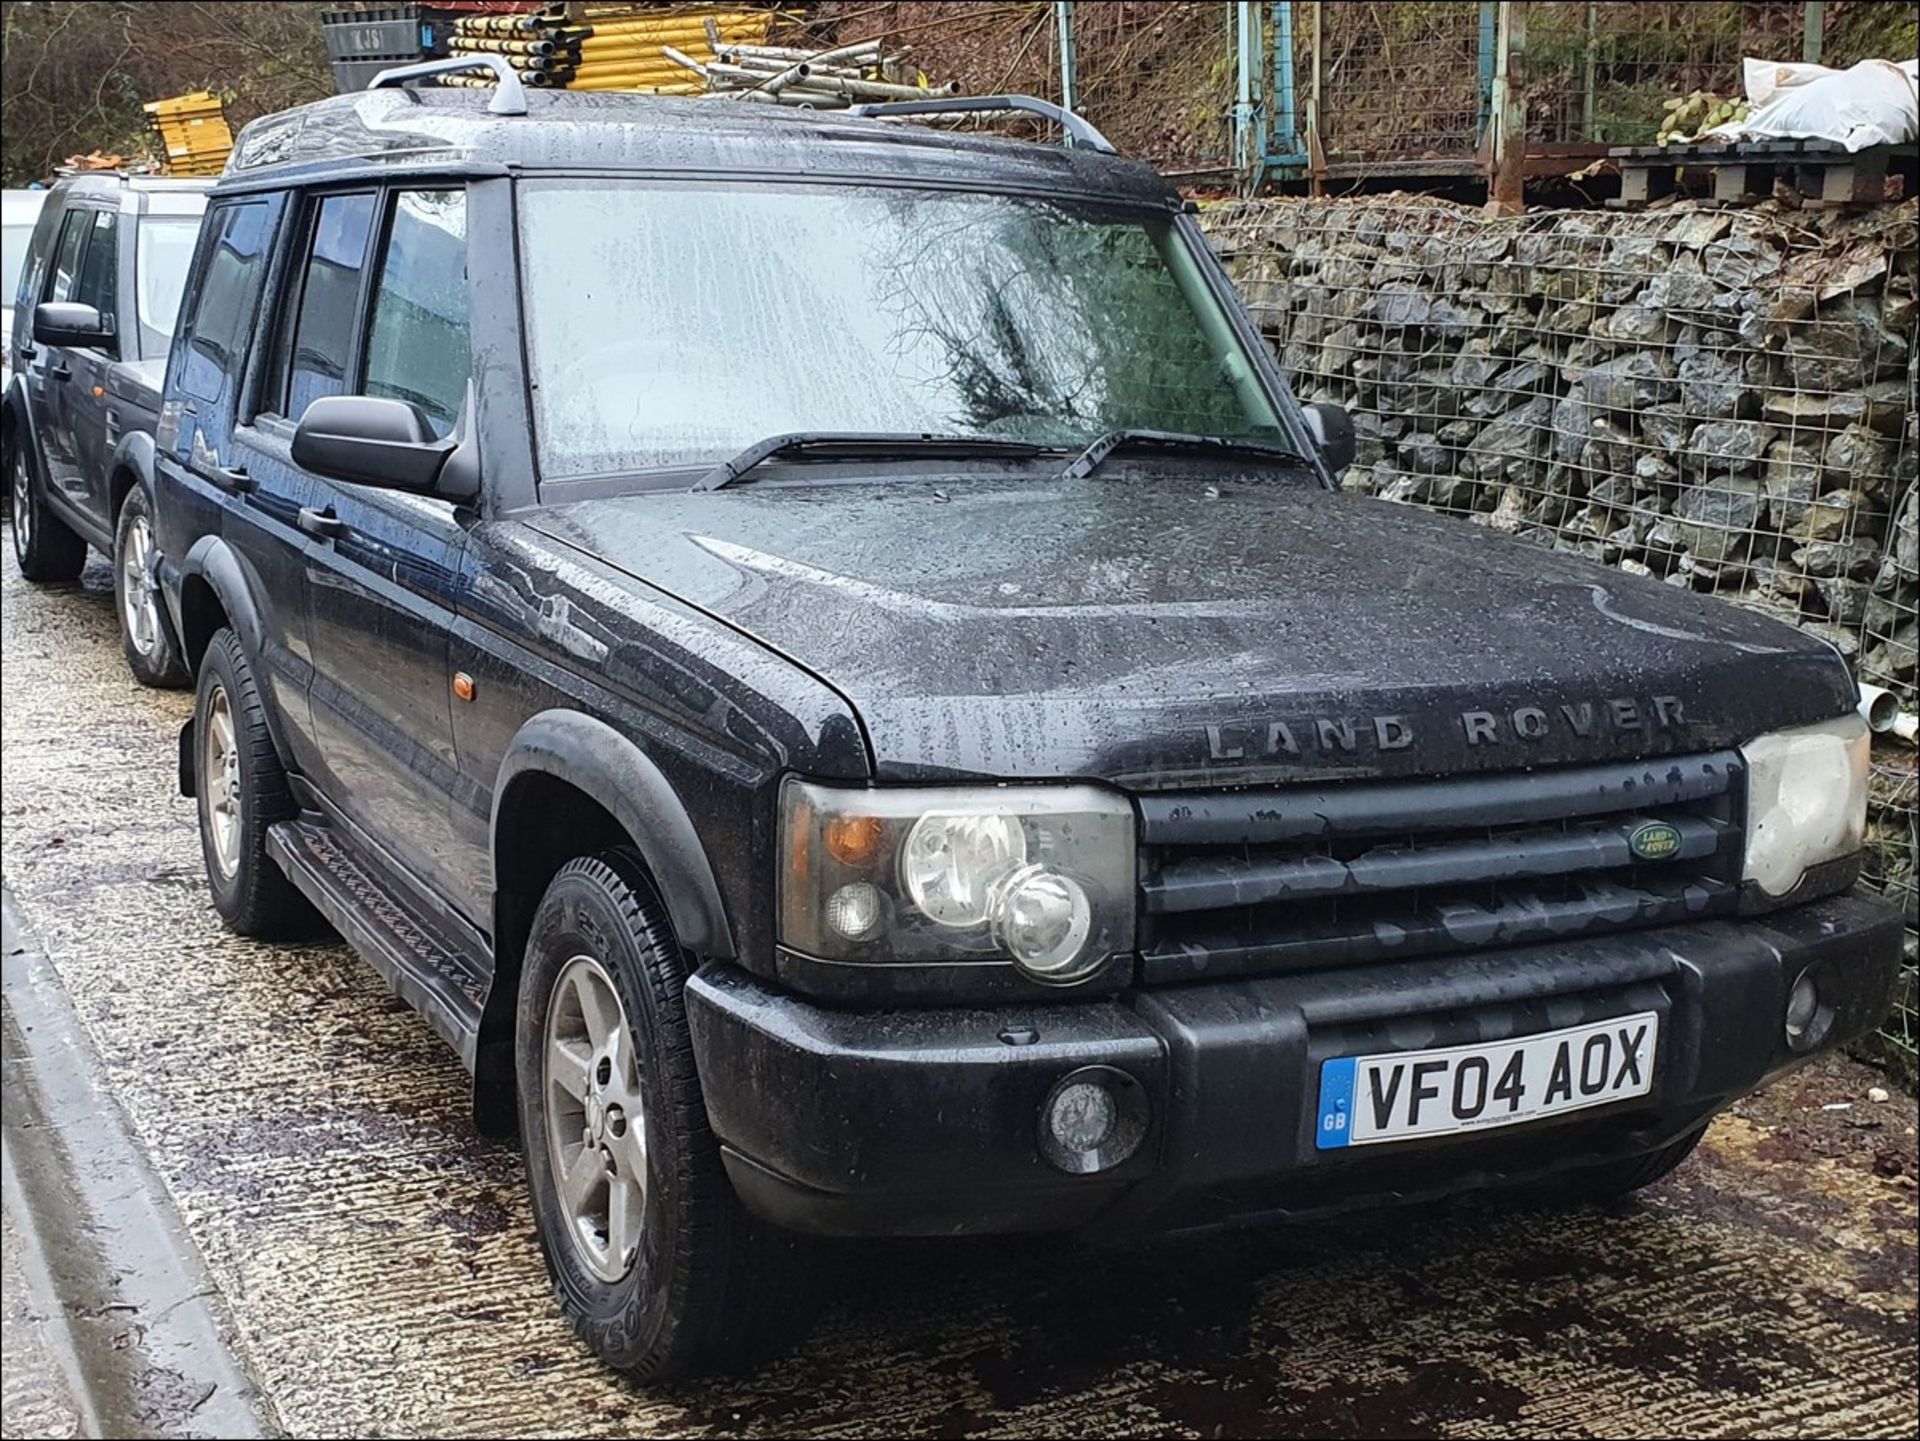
pixel 36 1396
pixel 378 1263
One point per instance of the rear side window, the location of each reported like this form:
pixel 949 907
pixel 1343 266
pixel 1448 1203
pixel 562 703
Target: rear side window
pixel 66 258
pixel 215 336
pixel 329 301
pixel 162 256
pixel 100 266
pixel 417 341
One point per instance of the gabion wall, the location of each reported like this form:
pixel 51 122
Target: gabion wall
pixel 1720 398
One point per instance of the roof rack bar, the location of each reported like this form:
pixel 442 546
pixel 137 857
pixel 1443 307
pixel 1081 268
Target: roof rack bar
pixel 1079 131
pixel 509 99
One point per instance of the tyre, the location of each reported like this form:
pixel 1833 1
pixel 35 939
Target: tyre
pixel 44 546
pixel 1614 1179
pixel 152 654
pixel 655 1263
pixel 241 789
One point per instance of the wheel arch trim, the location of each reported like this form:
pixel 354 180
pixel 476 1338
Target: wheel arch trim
pixel 594 758
pixel 212 560
pixel 21 429
pixel 134 457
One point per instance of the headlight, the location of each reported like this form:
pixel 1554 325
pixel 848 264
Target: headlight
pixel 1038 875
pixel 1806 800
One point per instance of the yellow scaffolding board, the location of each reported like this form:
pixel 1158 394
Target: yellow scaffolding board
pixel 193 132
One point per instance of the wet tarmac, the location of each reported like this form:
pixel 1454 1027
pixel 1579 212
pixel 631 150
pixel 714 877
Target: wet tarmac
pixel 378 1264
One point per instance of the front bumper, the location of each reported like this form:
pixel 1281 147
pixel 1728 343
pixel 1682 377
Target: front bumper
pixel 927 1122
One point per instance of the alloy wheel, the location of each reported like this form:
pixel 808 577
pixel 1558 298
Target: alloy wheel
pixel 22 503
pixel 223 781
pixel 139 603
pixel 596 1124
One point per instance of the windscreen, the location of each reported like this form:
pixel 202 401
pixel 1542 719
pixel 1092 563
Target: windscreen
pixel 161 260
pixel 672 325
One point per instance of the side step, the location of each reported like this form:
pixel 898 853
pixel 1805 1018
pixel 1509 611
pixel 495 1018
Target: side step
pixel 426 968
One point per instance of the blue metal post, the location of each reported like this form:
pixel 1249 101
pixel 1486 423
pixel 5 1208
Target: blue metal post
pixel 1488 45
pixel 1285 137
pixel 1246 146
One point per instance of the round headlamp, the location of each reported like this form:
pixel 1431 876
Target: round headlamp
pixel 951 863
pixel 1043 919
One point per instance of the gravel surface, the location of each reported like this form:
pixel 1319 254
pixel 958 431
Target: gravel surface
pixel 379 1262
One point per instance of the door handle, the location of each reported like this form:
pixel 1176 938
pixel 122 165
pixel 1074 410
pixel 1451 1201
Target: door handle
pixel 235 479
pixel 27 352
pixel 323 523
pixel 61 372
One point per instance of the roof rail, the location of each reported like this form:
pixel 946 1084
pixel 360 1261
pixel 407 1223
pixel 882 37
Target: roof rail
pixel 510 98
pixel 1079 131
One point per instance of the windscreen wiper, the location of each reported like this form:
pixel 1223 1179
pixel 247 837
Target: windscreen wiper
pixel 1089 460
pixel 834 444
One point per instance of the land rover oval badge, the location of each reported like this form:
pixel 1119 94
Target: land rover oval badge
pixel 1654 841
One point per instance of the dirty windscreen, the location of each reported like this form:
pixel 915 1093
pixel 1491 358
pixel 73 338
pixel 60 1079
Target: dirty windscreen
pixel 671 325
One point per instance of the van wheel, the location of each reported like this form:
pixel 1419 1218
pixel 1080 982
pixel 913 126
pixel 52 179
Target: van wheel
pixel 655 1263
pixel 145 636
pixel 44 546
pixel 240 789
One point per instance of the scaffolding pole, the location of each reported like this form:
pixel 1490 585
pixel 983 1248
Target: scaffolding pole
pixel 1069 62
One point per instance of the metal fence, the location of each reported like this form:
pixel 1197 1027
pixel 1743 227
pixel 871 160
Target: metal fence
pixel 1723 400
pixel 1602 72
pixel 1368 88
pixel 1431 105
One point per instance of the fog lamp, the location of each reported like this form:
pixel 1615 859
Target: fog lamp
pixel 1807 1021
pixel 1092 1120
pixel 1082 1116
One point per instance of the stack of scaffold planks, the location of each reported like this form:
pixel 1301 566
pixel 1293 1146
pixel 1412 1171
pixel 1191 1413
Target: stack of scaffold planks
pixel 193 132
pixel 612 48
pixel 684 50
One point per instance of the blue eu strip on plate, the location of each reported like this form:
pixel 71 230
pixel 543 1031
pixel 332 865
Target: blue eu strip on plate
pixel 1336 1103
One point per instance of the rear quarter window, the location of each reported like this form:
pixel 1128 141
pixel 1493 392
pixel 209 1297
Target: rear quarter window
pixel 238 236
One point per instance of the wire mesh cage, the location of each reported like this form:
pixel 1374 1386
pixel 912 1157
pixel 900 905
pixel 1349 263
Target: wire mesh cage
pixel 1603 72
pixel 1722 400
pixel 1157 78
pixel 1397 82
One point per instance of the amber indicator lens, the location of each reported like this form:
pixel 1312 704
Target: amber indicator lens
pixel 463 685
pixel 854 840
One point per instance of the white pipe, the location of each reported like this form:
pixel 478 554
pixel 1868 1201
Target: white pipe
pixel 776 83
pixel 679 58
pixel 734 53
pixel 1879 708
pixel 749 65
pixel 1907 726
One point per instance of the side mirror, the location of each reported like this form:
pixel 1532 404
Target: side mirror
pixel 370 441
pixel 1332 430
pixel 69 325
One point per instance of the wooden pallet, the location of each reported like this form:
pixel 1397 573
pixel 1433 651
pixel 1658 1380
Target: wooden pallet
pixel 1823 171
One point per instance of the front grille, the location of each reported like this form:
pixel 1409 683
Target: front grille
pixel 1248 882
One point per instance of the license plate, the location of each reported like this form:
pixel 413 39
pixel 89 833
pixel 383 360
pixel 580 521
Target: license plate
pixel 1401 1095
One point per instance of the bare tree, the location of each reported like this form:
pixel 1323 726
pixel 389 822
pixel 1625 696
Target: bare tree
pixel 75 72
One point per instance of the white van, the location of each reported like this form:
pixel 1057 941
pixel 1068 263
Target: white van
pixel 19 209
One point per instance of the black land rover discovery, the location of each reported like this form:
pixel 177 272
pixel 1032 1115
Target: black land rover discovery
pixel 823 658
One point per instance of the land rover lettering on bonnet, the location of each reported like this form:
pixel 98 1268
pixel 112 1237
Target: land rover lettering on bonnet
pixel 823 657
pixel 1329 736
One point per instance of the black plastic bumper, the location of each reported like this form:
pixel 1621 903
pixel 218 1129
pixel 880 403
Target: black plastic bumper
pixel 927 1122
